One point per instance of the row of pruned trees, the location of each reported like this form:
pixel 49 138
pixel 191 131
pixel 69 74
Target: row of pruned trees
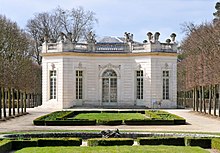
pixel 15 102
pixel 17 70
pixel 20 59
pixel 199 69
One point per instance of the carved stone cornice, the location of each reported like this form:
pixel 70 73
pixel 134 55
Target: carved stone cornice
pixel 109 66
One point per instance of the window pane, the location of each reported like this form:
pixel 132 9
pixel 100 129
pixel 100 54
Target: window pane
pixel 79 84
pixel 53 84
pixel 139 84
pixel 166 84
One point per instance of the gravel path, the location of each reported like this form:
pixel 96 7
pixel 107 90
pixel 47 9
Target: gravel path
pixel 196 123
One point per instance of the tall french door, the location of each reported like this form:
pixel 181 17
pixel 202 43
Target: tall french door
pixel 109 86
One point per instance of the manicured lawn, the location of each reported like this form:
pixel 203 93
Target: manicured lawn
pixel 115 149
pixel 110 116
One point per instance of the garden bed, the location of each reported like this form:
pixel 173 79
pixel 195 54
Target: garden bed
pixel 152 144
pixel 148 117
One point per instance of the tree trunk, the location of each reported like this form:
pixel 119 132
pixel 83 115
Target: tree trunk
pixel 13 101
pixel 33 100
pixel 3 102
pixel 197 101
pixel 25 105
pixel 214 100
pixel 18 105
pixel 210 99
pixel 0 102
pixel 22 103
pixel 9 101
pixel 200 99
pixel 184 105
pixel 193 101
pixel 203 100
pixel 219 100
pixel 28 100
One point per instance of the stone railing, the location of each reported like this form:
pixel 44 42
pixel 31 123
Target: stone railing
pixel 109 47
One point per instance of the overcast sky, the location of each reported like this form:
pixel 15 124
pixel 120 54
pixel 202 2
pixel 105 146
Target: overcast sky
pixel 118 16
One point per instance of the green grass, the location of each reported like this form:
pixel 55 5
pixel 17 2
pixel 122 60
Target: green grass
pixel 115 149
pixel 54 115
pixel 110 116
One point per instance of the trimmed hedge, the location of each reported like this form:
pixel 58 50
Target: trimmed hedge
pixel 216 143
pixel 8 145
pixel 110 142
pixel 109 122
pixel 149 122
pixel 19 144
pixel 38 122
pixel 5 146
pixel 137 122
pixel 201 142
pixel 41 120
pixel 70 122
pixel 179 121
pixel 66 118
pixel 59 142
pixel 161 141
pixel 65 115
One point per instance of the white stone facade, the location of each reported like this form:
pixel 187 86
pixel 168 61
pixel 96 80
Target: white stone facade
pixel 152 58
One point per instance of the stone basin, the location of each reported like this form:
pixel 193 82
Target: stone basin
pixel 87 135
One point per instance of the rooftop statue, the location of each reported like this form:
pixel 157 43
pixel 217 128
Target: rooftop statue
pixel 128 37
pixel 91 37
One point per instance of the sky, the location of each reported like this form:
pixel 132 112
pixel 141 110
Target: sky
pixel 118 16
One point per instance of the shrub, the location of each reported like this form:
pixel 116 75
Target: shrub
pixel 201 142
pixel 70 122
pixel 152 114
pixel 19 144
pixel 110 141
pixel 39 122
pixel 52 116
pixel 137 122
pixel 161 122
pixel 162 141
pixel 109 122
pixel 107 111
pixel 216 143
pixel 83 112
pixel 59 142
pixel 5 146
pixel 65 115
pixel 179 121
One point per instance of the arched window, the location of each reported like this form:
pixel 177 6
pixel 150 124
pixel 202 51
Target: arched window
pixel 109 86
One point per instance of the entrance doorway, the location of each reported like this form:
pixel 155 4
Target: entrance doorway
pixel 109 87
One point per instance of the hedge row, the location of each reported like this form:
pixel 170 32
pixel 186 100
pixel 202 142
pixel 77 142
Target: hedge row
pixel 5 146
pixel 216 143
pixel 69 122
pixel 162 115
pixel 60 118
pixel 59 142
pixel 65 115
pixel 8 145
pixel 201 142
pixel 110 141
pixel 108 122
pixel 148 122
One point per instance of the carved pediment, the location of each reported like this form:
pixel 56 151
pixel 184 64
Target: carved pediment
pixel 109 66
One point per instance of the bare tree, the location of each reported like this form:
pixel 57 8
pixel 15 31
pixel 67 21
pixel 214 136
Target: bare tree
pixel 76 23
